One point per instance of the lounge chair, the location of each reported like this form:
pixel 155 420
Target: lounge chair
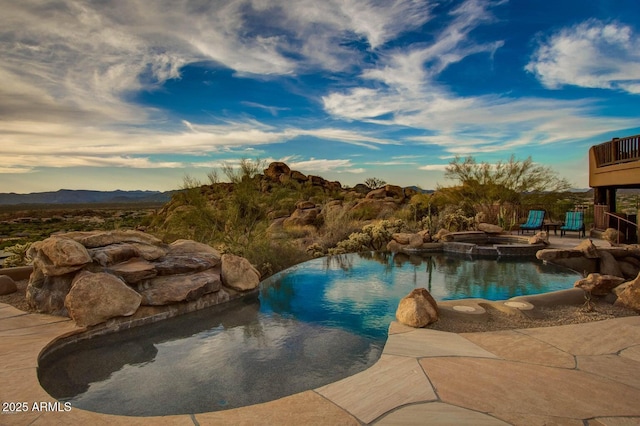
pixel 534 221
pixel 574 221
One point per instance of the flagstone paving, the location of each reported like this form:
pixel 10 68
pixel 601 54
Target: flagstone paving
pixel 583 374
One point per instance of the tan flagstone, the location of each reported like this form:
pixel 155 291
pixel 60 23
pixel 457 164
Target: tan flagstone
pixel 613 367
pixel 490 385
pixel 45 332
pixel 7 311
pixel 615 421
pixel 515 346
pixel 518 419
pixel 632 352
pixel 594 338
pixel 82 417
pixel 307 408
pixel 391 382
pixel 397 327
pixel 427 342
pixel 19 352
pixel 437 413
pixel 29 321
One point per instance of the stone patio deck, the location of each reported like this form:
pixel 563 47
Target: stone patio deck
pixel 569 375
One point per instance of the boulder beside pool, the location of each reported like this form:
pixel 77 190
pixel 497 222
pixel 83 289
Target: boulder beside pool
pixel 417 309
pixel 154 280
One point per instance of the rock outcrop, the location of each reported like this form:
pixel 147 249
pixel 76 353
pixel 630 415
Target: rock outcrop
pixel 609 270
pixel 7 285
pixel 622 261
pixel 630 295
pixel 238 273
pixel 97 297
pixel 417 309
pixel 489 228
pixel 95 276
pixel 598 284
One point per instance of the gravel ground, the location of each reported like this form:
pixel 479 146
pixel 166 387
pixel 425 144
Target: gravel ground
pixel 539 317
pixel 496 320
pixel 17 299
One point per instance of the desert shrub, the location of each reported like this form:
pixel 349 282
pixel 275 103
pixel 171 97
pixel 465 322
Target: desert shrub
pixel 454 219
pixel 338 224
pixel 18 256
pixel 365 211
pixel 374 183
pixel 374 236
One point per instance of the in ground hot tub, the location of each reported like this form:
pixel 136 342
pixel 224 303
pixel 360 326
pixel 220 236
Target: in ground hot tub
pixel 487 245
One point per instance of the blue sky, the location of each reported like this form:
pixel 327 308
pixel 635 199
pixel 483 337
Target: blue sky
pixel 134 94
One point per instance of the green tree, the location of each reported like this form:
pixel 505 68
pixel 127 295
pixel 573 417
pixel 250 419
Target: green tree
pixel 492 188
pixel 514 175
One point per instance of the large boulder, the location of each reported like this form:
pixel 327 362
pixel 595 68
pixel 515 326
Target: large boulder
pixel 489 228
pixel 238 273
pixel 613 236
pixel 134 270
pixel 275 169
pixel 572 259
pixel 59 255
pixel 96 298
pixel 7 285
pixel 443 236
pixel 540 237
pixel 415 241
pixel 395 247
pixel 589 250
pixel 630 296
pixel 192 247
pixel 302 217
pixel 394 191
pixel 95 239
pixel 183 264
pixel 377 194
pixel 599 285
pixel 609 265
pixel 630 266
pixel 47 293
pixel 177 288
pixel 417 309
pixel 402 237
pixel 114 253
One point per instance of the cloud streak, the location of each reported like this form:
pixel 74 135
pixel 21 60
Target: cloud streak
pixel 591 54
pixel 373 76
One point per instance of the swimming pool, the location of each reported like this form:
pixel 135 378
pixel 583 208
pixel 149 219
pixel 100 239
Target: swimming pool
pixel 313 324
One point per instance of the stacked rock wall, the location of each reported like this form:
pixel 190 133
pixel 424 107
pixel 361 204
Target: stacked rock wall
pixel 95 276
pixel 609 271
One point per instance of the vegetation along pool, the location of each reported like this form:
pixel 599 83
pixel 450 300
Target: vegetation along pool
pixel 313 324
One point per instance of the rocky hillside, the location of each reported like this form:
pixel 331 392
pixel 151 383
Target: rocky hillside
pixel 280 209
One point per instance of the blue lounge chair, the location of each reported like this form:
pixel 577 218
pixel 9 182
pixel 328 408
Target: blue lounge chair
pixel 534 221
pixel 574 221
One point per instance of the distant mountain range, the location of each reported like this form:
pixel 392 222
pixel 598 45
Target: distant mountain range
pixel 68 196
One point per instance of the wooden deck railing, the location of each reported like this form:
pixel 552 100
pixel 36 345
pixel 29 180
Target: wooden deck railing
pixel 618 150
pixel 624 227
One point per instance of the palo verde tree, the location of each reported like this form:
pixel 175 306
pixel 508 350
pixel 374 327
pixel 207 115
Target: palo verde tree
pixel 487 188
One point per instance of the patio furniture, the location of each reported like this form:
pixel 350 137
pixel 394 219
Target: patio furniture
pixel 534 221
pixel 574 221
pixel 552 225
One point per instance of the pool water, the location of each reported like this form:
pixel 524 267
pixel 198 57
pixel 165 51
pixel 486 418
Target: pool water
pixel 313 324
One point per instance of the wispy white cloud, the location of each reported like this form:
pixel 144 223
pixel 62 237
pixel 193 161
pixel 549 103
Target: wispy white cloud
pixel 591 54
pixel 434 167
pixel 412 96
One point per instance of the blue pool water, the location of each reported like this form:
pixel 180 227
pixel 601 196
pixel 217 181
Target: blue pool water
pixel 313 324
